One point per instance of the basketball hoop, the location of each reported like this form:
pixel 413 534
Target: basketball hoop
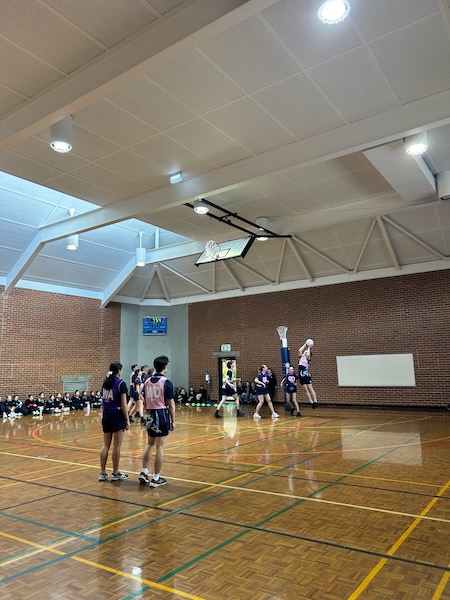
pixel 282 330
pixel 212 250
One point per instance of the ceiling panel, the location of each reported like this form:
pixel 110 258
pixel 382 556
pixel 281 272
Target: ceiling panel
pixel 249 125
pixel 132 165
pixel 353 85
pixel 192 79
pixel 250 55
pixel 9 99
pixel 23 167
pixel 297 25
pixel 415 60
pixel 315 114
pixel 82 189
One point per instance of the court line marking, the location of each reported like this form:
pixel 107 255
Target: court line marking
pixel 152 584
pixel 441 586
pixel 369 578
pixel 279 494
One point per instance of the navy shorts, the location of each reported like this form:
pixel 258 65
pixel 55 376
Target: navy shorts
pixel 261 390
pixel 228 391
pixel 290 390
pixel 158 422
pixel 304 376
pixel 113 420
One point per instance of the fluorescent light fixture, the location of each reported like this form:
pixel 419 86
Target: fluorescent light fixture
pixel 200 207
pixel 417 144
pixel 262 238
pixel 141 253
pixel 72 240
pixel 61 135
pixel 176 177
pixel 333 11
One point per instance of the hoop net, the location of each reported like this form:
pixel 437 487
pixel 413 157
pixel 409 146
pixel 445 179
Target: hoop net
pixel 212 250
pixel 282 330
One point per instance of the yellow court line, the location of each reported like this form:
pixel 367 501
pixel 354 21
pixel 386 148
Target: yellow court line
pixel 152 584
pixel 435 485
pixel 270 493
pixel 363 585
pixel 440 588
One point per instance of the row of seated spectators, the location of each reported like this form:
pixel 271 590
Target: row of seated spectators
pixel 247 392
pixel 13 406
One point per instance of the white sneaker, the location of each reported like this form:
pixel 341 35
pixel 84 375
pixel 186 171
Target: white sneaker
pixel 256 416
pixel 275 415
pixel 119 476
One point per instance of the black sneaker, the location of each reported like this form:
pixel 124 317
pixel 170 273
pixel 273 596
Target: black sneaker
pixel 143 421
pixel 292 412
pixel 143 478
pixel 298 414
pixel 154 483
pixel 216 415
pixel 240 414
pixel 315 404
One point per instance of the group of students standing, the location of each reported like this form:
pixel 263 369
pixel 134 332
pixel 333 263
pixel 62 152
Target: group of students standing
pixel 157 392
pixel 261 381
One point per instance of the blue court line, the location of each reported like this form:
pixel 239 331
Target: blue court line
pixel 45 526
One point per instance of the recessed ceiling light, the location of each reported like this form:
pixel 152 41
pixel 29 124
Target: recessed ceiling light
pixel 333 11
pixel 417 144
pixel 262 238
pixel 61 135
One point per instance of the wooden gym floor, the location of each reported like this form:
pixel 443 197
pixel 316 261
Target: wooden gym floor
pixel 339 504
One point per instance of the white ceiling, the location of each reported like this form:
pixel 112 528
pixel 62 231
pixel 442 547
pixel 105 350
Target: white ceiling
pixel 267 111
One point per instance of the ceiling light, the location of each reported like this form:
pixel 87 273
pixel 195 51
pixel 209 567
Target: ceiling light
pixel 262 223
pixel 72 240
pixel 417 144
pixel 176 177
pixel 443 185
pixel 141 253
pixel 200 207
pixel 61 135
pixel 333 11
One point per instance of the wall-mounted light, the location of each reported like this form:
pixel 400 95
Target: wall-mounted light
pixel 141 253
pixel 333 11
pixel 61 135
pixel 176 177
pixel 417 144
pixel 200 207
pixel 72 240
pixel 262 223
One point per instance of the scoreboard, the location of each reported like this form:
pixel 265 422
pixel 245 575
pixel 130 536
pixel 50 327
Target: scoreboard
pixel 154 326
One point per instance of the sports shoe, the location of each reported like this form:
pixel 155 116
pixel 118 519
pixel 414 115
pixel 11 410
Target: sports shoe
pixel 256 416
pixel 119 476
pixel 216 415
pixel 143 478
pixel 298 414
pixel 103 477
pixel 131 419
pixel 292 412
pixel 240 414
pixel 275 415
pixel 157 483
pixel 315 404
pixel 143 421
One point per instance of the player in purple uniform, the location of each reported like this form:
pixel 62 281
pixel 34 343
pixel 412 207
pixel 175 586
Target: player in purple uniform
pixel 115 421
pixel 229 389
pixel 160 420
pixel 263 393
pixel 304 358
pixel 290 389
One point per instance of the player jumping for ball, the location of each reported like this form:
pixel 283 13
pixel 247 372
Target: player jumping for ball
pixel 304 358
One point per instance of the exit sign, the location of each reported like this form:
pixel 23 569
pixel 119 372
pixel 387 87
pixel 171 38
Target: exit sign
pixel 225 347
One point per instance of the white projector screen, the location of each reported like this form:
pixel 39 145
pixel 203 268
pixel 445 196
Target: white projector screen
pixel 376 370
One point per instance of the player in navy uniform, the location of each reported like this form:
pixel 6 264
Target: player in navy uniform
pixel 304 358
pixel 263 393
pixel 290 389
pixel 160 420
pixel 115 421
pixel 229 389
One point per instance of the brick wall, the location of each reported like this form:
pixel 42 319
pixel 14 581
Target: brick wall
pixel 45 336
pixel 407 314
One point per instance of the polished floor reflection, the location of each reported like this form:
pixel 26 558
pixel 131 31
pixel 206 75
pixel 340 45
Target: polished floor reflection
pixel 339 504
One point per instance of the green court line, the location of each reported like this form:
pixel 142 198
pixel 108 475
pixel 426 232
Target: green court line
pixel 45 526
